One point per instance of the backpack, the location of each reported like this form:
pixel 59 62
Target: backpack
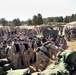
pixel 26 46
pixel 17 47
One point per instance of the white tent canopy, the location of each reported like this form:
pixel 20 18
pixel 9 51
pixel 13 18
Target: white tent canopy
pixel 71 24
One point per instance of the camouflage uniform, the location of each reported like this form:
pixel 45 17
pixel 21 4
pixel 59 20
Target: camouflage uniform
pixel 16 55
pixel 41 56
pixel 63 43
pixel 54 50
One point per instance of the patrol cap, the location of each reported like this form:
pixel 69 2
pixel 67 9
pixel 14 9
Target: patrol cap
pixel 4 41
pixel 22 38
pixel 35 39
pixel 15 38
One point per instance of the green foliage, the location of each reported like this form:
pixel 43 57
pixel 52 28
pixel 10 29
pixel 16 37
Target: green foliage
pixel 16 22
pixel 66 19
pixel 3 21
pixel 71 18
pixel 46 20
pixel 38 20
pixel 23 22
pixel 9 23
pixel 34 20
pixel 29 22
pixel 53 19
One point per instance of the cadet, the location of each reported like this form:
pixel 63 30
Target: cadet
pixel 16 53
pixel 42 55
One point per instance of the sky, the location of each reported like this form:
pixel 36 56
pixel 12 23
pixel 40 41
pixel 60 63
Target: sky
pixel 25 9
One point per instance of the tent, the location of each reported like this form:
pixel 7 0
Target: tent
pixel 71 24
pixel 50 32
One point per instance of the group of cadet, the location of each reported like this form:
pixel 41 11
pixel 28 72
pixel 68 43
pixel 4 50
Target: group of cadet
pixel 18 45
pixel 23 47
pixel 70 33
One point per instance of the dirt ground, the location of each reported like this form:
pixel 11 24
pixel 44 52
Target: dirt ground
pixel 71 44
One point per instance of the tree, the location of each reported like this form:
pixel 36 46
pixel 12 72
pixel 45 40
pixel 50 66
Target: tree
pixel 46 20
pixel 3 21
pixel 39 19
pixel 55 19
pixel 75 17
pixel 51 19
pixel 9 23
pixel 66 19
pixel 23 22
pixel 34 21
pixel 72 17
pixel 60 19
pixel 16 22
pixel 29 22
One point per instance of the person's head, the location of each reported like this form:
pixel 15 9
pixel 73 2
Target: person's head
pixel 22 40
pixel 43 40
pixel 4 41
pixel 15 39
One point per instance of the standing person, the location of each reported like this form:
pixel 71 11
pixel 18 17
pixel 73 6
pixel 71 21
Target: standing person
pixel 23 49
pixel 57 42
pixel 2 49
pixel 42 55
pixel 16 53
pixel 61 31
pixel 68 36
pixel 71 34
pixel 63 42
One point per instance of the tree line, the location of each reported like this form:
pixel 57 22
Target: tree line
pixel 38 20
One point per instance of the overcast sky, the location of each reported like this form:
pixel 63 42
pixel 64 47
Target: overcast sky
pixel 25 9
